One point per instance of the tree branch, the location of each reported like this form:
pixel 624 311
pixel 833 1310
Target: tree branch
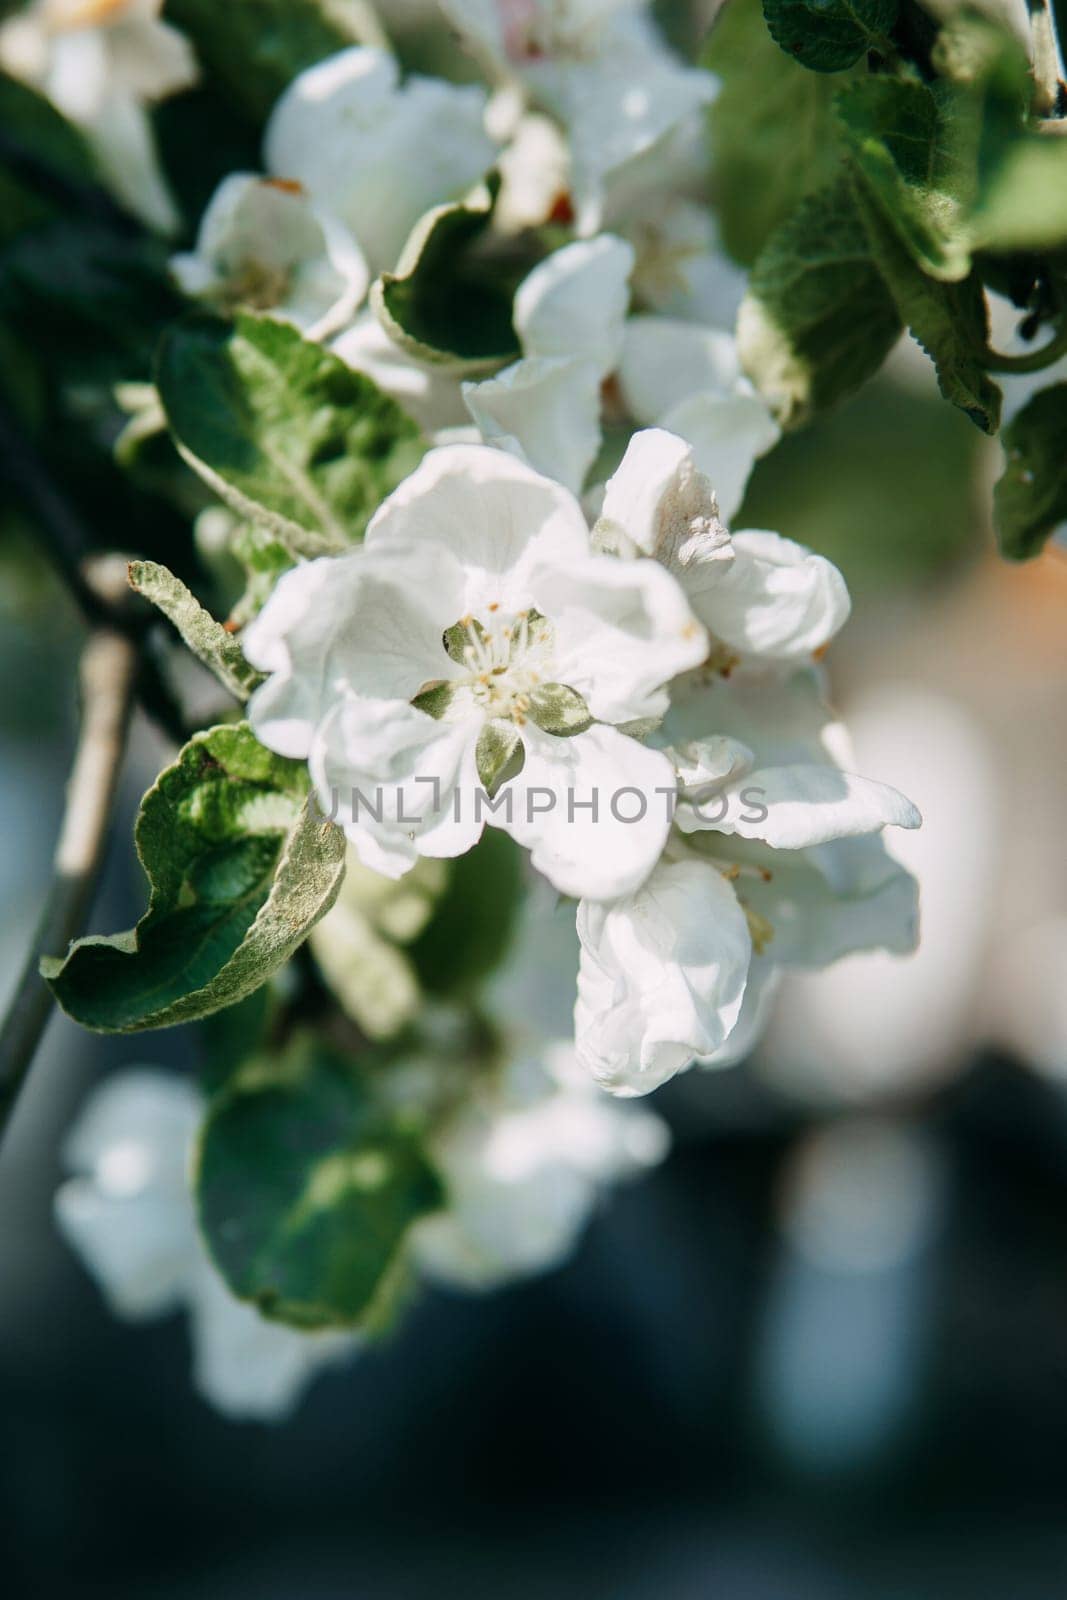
pixel 108 676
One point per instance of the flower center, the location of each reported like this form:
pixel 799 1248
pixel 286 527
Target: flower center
pixel 506 661
pixel 64 16
pixel 539 30
pixel 254 286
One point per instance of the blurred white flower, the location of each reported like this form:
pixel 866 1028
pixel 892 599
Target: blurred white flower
pixel 128 1213
pixel 525 1159
pixel 375 152
pixel 474 620
pixel 263 246
pixel 599 66
pixel 101 63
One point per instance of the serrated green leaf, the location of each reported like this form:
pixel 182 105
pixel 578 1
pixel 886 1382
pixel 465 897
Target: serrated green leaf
pixel 306 1189
pixel 818 319
pixel 558 709
pixel 950 320
pixel 240 869
pixel 206 638
pixel 773 137
pixel 1030 499
pixel 255 48
pixel 283 430
pixel 498 746
pixel 829 35
pixel 444 304
pixel 914 149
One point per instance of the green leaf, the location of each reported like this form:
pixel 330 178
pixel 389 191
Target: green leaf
pixel 283 430
pixel 206 638
pixel 240 869
pixel 1030 500
pixel 472 925
pixel 255 48
pixel 498 747
pixel 950 320
pixel 42 159
pixel 773 137
pixel 435 699
pixel 914 150
pixel 829 35
pixel 306 1189
pixel 559 710
pixel 445 304
pixel 264 559
pixel 818 319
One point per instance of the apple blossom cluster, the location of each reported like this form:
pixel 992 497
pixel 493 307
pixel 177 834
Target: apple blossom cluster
pixel 555 628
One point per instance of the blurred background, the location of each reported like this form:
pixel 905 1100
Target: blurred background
pixel 822 1352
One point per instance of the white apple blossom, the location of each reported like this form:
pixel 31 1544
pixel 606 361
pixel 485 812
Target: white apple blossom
pixel 525 1159
pixel 476 628
pixel 375 152
pixel 264 246
pixel 771 860
pixel 599 66
pixel 101 63
pixel 578 345
pixel 128 1212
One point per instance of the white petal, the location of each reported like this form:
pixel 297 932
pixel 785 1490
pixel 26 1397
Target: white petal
pixel 399 782
pixel 662 976
pixel 574 302
pixel 247 1367
pixel 545 410
pixel 657 502
pixel 549 808
pixel 777 601
pixel 378 154
pixel 367 622
pixel 617 104
pixel 622 630
pixel 783 721
pixel 792 808
pixel 728 432
pixel 665 361
pixel 494 515
pixel 815 921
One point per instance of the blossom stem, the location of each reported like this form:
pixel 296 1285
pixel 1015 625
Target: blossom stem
pixel 108 677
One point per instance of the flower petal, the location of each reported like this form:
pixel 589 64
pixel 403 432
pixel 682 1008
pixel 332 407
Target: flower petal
pixel 376 153
pixel 792 808
pixel 495 516
pixel 545 410
pixel 665 360
pixel 662 976
pixel 549 808
pixel 622 630
pixel 400 783
pixel 777 601
pixel 574 302
pixel 370 622
pixel 728 432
